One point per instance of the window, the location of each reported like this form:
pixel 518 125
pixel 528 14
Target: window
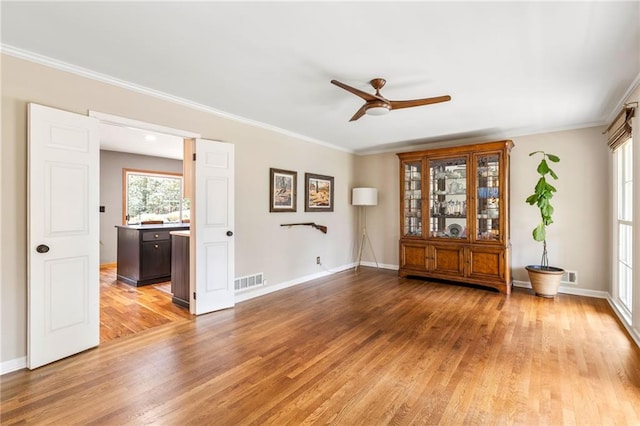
pixel 624 225
pixel 153 196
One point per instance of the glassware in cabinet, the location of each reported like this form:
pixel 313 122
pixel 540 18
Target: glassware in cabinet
pixel 412 177
pixel 448 198
pixel 488 197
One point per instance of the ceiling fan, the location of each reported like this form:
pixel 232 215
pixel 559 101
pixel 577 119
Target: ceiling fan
pixel 379 105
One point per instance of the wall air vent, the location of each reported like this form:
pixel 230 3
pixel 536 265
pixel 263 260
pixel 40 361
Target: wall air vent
pixel 248 282
pixel 569 277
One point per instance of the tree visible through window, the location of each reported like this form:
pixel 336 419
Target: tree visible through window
pixel 154 196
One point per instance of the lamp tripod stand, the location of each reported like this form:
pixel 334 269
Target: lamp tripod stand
pixel 362 241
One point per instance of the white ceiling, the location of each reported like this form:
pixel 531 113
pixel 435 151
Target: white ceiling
pixel 143 142
pixel 512 68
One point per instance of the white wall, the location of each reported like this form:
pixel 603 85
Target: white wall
pixel 381 171
pixel 579 239
pixel 111 165
pixel 284 255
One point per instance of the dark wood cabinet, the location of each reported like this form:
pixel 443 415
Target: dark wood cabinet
pixel 154 257
pixel 454 214
pixel 180 269
pixel 144 253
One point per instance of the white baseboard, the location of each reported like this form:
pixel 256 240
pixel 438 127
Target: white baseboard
pixel 569 290
pixel 380 265
pixel 633 332
pixel 13 365
pixel 261 291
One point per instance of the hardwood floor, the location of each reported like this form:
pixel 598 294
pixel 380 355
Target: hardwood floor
pixel 126 310
pixel 360 348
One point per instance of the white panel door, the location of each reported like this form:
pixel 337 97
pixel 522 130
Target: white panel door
pixel 63 235
pixel 212 227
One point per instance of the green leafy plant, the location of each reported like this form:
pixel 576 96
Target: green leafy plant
pixel 543 193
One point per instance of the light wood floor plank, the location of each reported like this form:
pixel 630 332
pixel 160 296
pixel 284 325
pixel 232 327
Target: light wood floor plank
pixel 126 309
pixel 352 348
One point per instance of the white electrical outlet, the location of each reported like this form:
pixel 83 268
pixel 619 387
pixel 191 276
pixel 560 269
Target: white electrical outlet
pixel 318 260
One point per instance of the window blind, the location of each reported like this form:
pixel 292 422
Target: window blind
pixel 620 130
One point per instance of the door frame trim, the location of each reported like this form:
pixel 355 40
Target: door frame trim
pixel 117 120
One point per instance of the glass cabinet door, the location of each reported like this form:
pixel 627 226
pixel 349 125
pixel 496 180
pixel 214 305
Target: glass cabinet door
pixel 488 204
pixel 448 198
pixel 412 175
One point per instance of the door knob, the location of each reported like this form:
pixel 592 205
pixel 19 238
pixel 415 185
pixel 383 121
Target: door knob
pixel 42 248
pixel 229 233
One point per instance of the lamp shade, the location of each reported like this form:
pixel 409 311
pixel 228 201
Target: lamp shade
pixel 364 197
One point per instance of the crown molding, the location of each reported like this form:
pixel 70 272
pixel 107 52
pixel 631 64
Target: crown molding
pixel 63 66
pixel 103 78
pixel 625 98
pixel 503 134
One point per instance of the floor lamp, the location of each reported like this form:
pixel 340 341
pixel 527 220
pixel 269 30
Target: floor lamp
pixel 363 197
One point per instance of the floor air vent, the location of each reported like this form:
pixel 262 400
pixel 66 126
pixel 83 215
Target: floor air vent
pixel 248 282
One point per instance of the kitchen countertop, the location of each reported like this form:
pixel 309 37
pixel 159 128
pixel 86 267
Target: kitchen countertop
pixel 156 226
pixel 186 233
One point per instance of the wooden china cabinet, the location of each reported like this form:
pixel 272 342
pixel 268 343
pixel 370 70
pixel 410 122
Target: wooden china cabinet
pixel 454 214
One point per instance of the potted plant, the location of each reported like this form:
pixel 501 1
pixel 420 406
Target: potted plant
pixel 545 279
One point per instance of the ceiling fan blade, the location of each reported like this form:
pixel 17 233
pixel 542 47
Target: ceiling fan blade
pixel 418 102
pixel 359 113
pixel 364 95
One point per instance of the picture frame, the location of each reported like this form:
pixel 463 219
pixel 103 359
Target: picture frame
pixel 283 190
pixel 318 193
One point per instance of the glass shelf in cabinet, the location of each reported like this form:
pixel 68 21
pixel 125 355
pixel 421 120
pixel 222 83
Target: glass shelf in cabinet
pixel 447 216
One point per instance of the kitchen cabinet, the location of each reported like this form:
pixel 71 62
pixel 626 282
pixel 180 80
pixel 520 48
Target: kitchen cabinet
pixel 180 267
pixel 144 253
pixel 454 214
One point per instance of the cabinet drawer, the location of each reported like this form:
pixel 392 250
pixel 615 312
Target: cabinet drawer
pixel 155 235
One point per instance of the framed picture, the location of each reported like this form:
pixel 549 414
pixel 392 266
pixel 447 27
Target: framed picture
pixel 282 190
pixel 318 193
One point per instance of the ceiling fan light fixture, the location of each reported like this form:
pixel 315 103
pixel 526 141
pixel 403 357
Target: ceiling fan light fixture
pixel 377 110
pixel 377 107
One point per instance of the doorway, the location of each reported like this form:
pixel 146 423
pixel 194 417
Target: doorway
pixel 64 165
pixel 124 308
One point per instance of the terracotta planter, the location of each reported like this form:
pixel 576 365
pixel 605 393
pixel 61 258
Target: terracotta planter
pixel 545 280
